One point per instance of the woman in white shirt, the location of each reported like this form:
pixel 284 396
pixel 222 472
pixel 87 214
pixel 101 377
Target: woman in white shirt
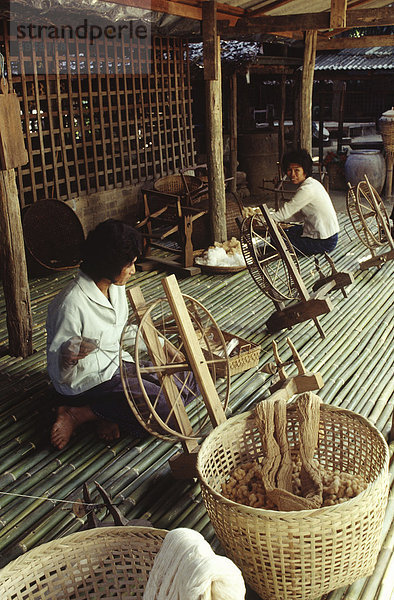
pixel 84 325
pixel 311 205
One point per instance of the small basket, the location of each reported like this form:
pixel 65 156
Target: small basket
pixel 299 555
pixel 109 562
pixel 175 184
pixel 246 355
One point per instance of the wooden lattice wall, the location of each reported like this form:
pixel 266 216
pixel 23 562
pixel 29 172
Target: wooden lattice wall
pixel 112 114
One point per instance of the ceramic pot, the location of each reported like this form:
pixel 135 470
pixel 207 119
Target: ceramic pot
pixel 366 162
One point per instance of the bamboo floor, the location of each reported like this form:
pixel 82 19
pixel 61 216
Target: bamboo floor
pixel 38 485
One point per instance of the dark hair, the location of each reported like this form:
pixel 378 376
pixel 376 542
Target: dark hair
pixel 298 157
pixel 108 248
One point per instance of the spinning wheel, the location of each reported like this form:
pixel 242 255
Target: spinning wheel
pixel 171 368
pixel 370 221
pixel 265 263
pixel 181 371
pixel 273 264
pixel 368 217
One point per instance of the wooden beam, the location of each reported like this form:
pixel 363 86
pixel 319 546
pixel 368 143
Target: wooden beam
pixel 191 9
pixel 276 69
pixel 210 40
pixel 307 21
pixel 273 5
pixel 338 14
pixel 14 270
pixel 307 90
pixel 367 41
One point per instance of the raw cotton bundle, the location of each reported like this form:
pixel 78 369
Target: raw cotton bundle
pixel 226 254
pixel 187 567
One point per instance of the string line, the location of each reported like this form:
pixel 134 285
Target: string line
pixel 90 504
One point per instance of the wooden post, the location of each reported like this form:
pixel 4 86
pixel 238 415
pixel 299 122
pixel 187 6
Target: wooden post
pixel 340 116
pixel 14 270
pixel 296 110
pixel 389 176
pixel 213 98
pixel 307 90
pixel 233 132
pixel 281 132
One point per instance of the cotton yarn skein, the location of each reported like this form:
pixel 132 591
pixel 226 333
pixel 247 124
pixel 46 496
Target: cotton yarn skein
pixel 186 567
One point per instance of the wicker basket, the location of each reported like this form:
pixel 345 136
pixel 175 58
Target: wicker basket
pixel 174 184
pixel 109 562
pixel 299 555
pixel 246 355
pixel 387 131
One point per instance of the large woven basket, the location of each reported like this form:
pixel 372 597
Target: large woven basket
pixel 109 562
pixel 299 555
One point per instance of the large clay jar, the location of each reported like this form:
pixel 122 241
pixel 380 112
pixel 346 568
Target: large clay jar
pixel 366 162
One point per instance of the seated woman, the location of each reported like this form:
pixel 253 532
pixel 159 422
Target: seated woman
pixel 84 325
pixel 311 204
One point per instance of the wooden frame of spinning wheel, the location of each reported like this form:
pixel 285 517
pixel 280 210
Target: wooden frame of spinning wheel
pixel 360 224
pixel 310 305
pixel 182 464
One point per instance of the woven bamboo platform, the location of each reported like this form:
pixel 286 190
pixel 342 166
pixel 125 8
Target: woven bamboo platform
pixel 38 485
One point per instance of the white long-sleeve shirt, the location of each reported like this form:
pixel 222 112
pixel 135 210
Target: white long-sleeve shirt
pixel 312 205
pixel 82 310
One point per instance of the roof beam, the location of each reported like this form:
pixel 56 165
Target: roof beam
pixel 190 9
pixel 367 41
pixel 338 14
pixel 308 21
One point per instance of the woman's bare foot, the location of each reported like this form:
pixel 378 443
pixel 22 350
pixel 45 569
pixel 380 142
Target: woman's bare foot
pixel 107 430
pixel 68 419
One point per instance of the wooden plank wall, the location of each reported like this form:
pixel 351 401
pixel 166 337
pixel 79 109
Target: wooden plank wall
pixel 111 114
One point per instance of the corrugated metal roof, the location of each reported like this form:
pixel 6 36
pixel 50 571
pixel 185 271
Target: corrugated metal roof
pixel 357 59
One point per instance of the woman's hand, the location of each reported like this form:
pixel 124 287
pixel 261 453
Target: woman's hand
pixel 75 349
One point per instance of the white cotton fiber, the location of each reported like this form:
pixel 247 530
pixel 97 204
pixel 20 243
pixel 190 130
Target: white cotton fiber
pixel 218 257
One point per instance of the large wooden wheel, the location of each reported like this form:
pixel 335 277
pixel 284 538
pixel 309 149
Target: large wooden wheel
pixel 266 265
pixel 368 215
pixel 164 373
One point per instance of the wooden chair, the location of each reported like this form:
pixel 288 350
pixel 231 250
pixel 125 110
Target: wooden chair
pixel 166 216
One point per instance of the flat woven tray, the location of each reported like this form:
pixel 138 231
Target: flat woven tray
pixel 220 270
pixel 53 234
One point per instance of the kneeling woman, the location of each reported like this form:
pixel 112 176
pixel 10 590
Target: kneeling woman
pixel 84 325
pixel 311 204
